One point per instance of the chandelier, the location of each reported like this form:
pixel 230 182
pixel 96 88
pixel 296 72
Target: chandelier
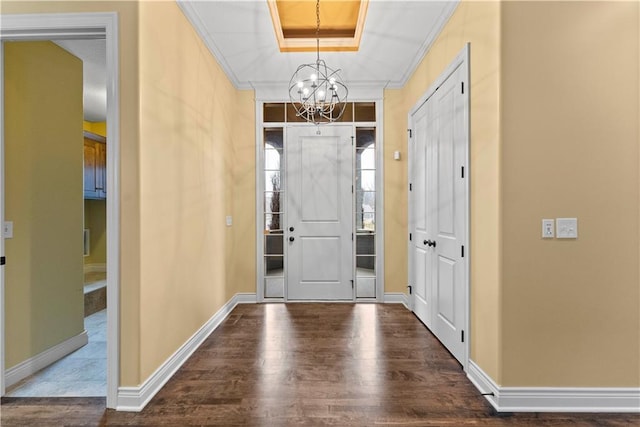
pixel 316 90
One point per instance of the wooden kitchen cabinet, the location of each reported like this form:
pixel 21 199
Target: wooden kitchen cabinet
pixel 95 166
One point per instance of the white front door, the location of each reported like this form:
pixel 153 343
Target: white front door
pixel 319 206
pixel 438 212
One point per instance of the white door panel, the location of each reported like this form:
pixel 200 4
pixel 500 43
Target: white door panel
pixel 419 215
pixel 319 206
pixel 449 225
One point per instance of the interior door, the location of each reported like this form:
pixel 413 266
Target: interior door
pixel 439 203
pixel 319 205
pixel 447 200
pixel 419 215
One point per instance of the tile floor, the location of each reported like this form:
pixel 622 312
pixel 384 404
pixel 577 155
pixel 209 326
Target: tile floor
pixel 82 373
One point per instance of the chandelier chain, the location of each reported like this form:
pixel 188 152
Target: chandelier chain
pixel 317 30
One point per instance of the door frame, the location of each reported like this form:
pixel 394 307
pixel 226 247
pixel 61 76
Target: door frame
pixel 23 27
pixel 266 95
pixel 462 59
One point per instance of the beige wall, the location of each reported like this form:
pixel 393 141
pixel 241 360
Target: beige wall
pixel 193 140
pixel 95 219
pixel 570 308
pixel 242 250
pixel 43 196
pixel 185 136
pixel 479 24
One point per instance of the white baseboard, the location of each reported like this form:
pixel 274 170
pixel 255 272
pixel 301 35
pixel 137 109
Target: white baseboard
pixel 95 268
pixel 134 399
pixel 554 399
pixel 245 298
pixel 397 298
pixel 34 364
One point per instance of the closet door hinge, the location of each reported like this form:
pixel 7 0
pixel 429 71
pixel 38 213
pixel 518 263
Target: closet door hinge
pixel 462 87
pixel 462 171
pixel 462 335
pixel 409 236
pixel 410 187
pixel 3 260
pixel 410 287
pixel 410 133
pixel 462 251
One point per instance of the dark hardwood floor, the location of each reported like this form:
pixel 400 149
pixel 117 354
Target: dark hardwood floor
pixel 309 364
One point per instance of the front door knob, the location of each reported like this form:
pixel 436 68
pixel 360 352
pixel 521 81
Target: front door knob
pixel 291 228
pixel 291 239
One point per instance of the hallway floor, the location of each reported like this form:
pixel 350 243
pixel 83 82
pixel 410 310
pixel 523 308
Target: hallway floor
pixel 309 364
pixel 80 374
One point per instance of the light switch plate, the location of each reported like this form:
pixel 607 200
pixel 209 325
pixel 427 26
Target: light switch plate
pixel 567 228
pixel 229 220
pixel 7 230
pixel 548 231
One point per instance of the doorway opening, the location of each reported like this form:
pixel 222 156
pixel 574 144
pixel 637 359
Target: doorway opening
pixel 59 27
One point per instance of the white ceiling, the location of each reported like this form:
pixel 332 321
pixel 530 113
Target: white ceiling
pixel 396 35
pixel 93 56
pixel 240 35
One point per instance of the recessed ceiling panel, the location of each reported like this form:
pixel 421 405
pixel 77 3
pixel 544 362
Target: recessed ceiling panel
pixel 295 24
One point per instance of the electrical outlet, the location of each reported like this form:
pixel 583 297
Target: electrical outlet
pixel 547 229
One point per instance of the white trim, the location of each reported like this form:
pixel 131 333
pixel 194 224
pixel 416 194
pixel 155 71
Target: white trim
pixel 397 298
pixel 32 365
pixel 134 399
pixel 194 18
pixel 259 172
pixel 482 382
pixel 95 268
pixel 380 160
pixel 2 381
pixel 555 399
pixel 437 28
pixel 245 298
pixel 74 26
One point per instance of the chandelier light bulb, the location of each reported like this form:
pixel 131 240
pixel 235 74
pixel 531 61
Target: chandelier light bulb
pixel 314 78
pixel 321 94
pixel 300 84
pixel 305 91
